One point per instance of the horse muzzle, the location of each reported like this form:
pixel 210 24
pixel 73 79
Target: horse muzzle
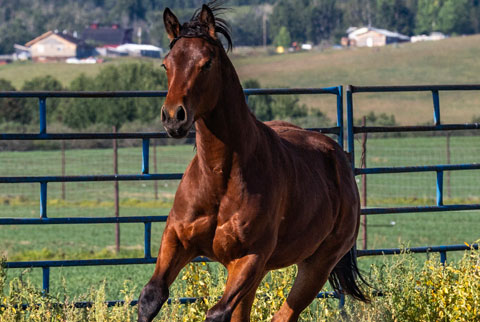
pixel 176 121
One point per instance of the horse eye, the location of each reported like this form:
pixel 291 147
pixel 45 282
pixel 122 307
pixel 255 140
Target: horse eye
pixel 207 65
pixel 164 67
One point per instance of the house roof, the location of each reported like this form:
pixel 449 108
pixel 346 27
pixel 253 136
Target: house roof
pixel 67 37
pixel 359 31
pixel 108 35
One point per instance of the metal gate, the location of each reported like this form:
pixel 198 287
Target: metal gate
pixel 439 169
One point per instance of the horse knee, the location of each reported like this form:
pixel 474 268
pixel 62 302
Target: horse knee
pixel 150 301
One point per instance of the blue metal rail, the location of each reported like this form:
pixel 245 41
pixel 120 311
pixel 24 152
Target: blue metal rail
pixel 145 137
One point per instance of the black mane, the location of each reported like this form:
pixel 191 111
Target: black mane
pixel 196 29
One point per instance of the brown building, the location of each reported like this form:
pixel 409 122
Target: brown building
pixel 53 46
pixel 373 37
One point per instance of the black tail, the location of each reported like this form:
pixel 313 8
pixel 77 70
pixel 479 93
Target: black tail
pixel 345 277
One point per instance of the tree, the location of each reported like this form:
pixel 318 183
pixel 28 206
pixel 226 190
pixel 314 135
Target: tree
pixel 426 19
pixel 395 15
pixel 283 38
pixel 81 113
pixel 260 105
pixel 324 17
pixel 12 109
pixel 43 83
pixel 358 13
pixel 291 15
pixel 247 28
pixel 454 17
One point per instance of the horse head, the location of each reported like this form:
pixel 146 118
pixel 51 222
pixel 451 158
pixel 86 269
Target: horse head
pixel 194 69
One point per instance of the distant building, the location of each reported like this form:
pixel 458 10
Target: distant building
pixel 5 59
pixel 140 50
pixel 372 37
pixel 22 52
pixel 434 36
pixel 53 46
pixel 107 36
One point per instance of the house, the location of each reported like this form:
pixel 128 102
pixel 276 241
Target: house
pixel 138 50
pixel 22 52
pixel 52 46
pixel 107 37
pixel 373 37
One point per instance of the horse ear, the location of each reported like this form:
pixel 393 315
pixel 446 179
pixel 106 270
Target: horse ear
pixel 172 26
pixel 207 17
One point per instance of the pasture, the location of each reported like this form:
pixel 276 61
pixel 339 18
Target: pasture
pixel 413 63
pixel 137 198
pixel 418 63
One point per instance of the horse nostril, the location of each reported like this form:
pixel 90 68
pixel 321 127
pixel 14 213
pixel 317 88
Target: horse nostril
pixel 181 114
pixel 163 115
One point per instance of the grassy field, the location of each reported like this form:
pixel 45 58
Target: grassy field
pixel 451 61
pixel 137 198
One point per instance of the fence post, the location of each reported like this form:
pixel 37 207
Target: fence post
pixel 350 129
pixel 46 279
pixel 42 105
pixel 364 183
pixel 145 156
pixel 43 199
pixel 63 169
pixel 449 192
pixel 155 182
pixel 115 188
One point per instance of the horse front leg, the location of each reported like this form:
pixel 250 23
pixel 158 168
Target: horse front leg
pixel 172 257
pixel 244 276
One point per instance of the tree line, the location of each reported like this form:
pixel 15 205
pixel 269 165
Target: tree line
pixel 83 113
pixel 252 21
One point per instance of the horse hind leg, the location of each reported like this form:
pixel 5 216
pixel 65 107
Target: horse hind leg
pixel 308 283
pixel 313 273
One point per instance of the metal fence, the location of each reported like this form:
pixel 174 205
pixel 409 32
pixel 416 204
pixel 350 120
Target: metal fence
pixel 439 169
pixel 145 174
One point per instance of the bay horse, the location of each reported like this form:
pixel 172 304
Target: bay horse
pixel 256 196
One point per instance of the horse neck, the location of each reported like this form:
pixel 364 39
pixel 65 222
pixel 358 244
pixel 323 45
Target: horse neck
pixel 229 131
